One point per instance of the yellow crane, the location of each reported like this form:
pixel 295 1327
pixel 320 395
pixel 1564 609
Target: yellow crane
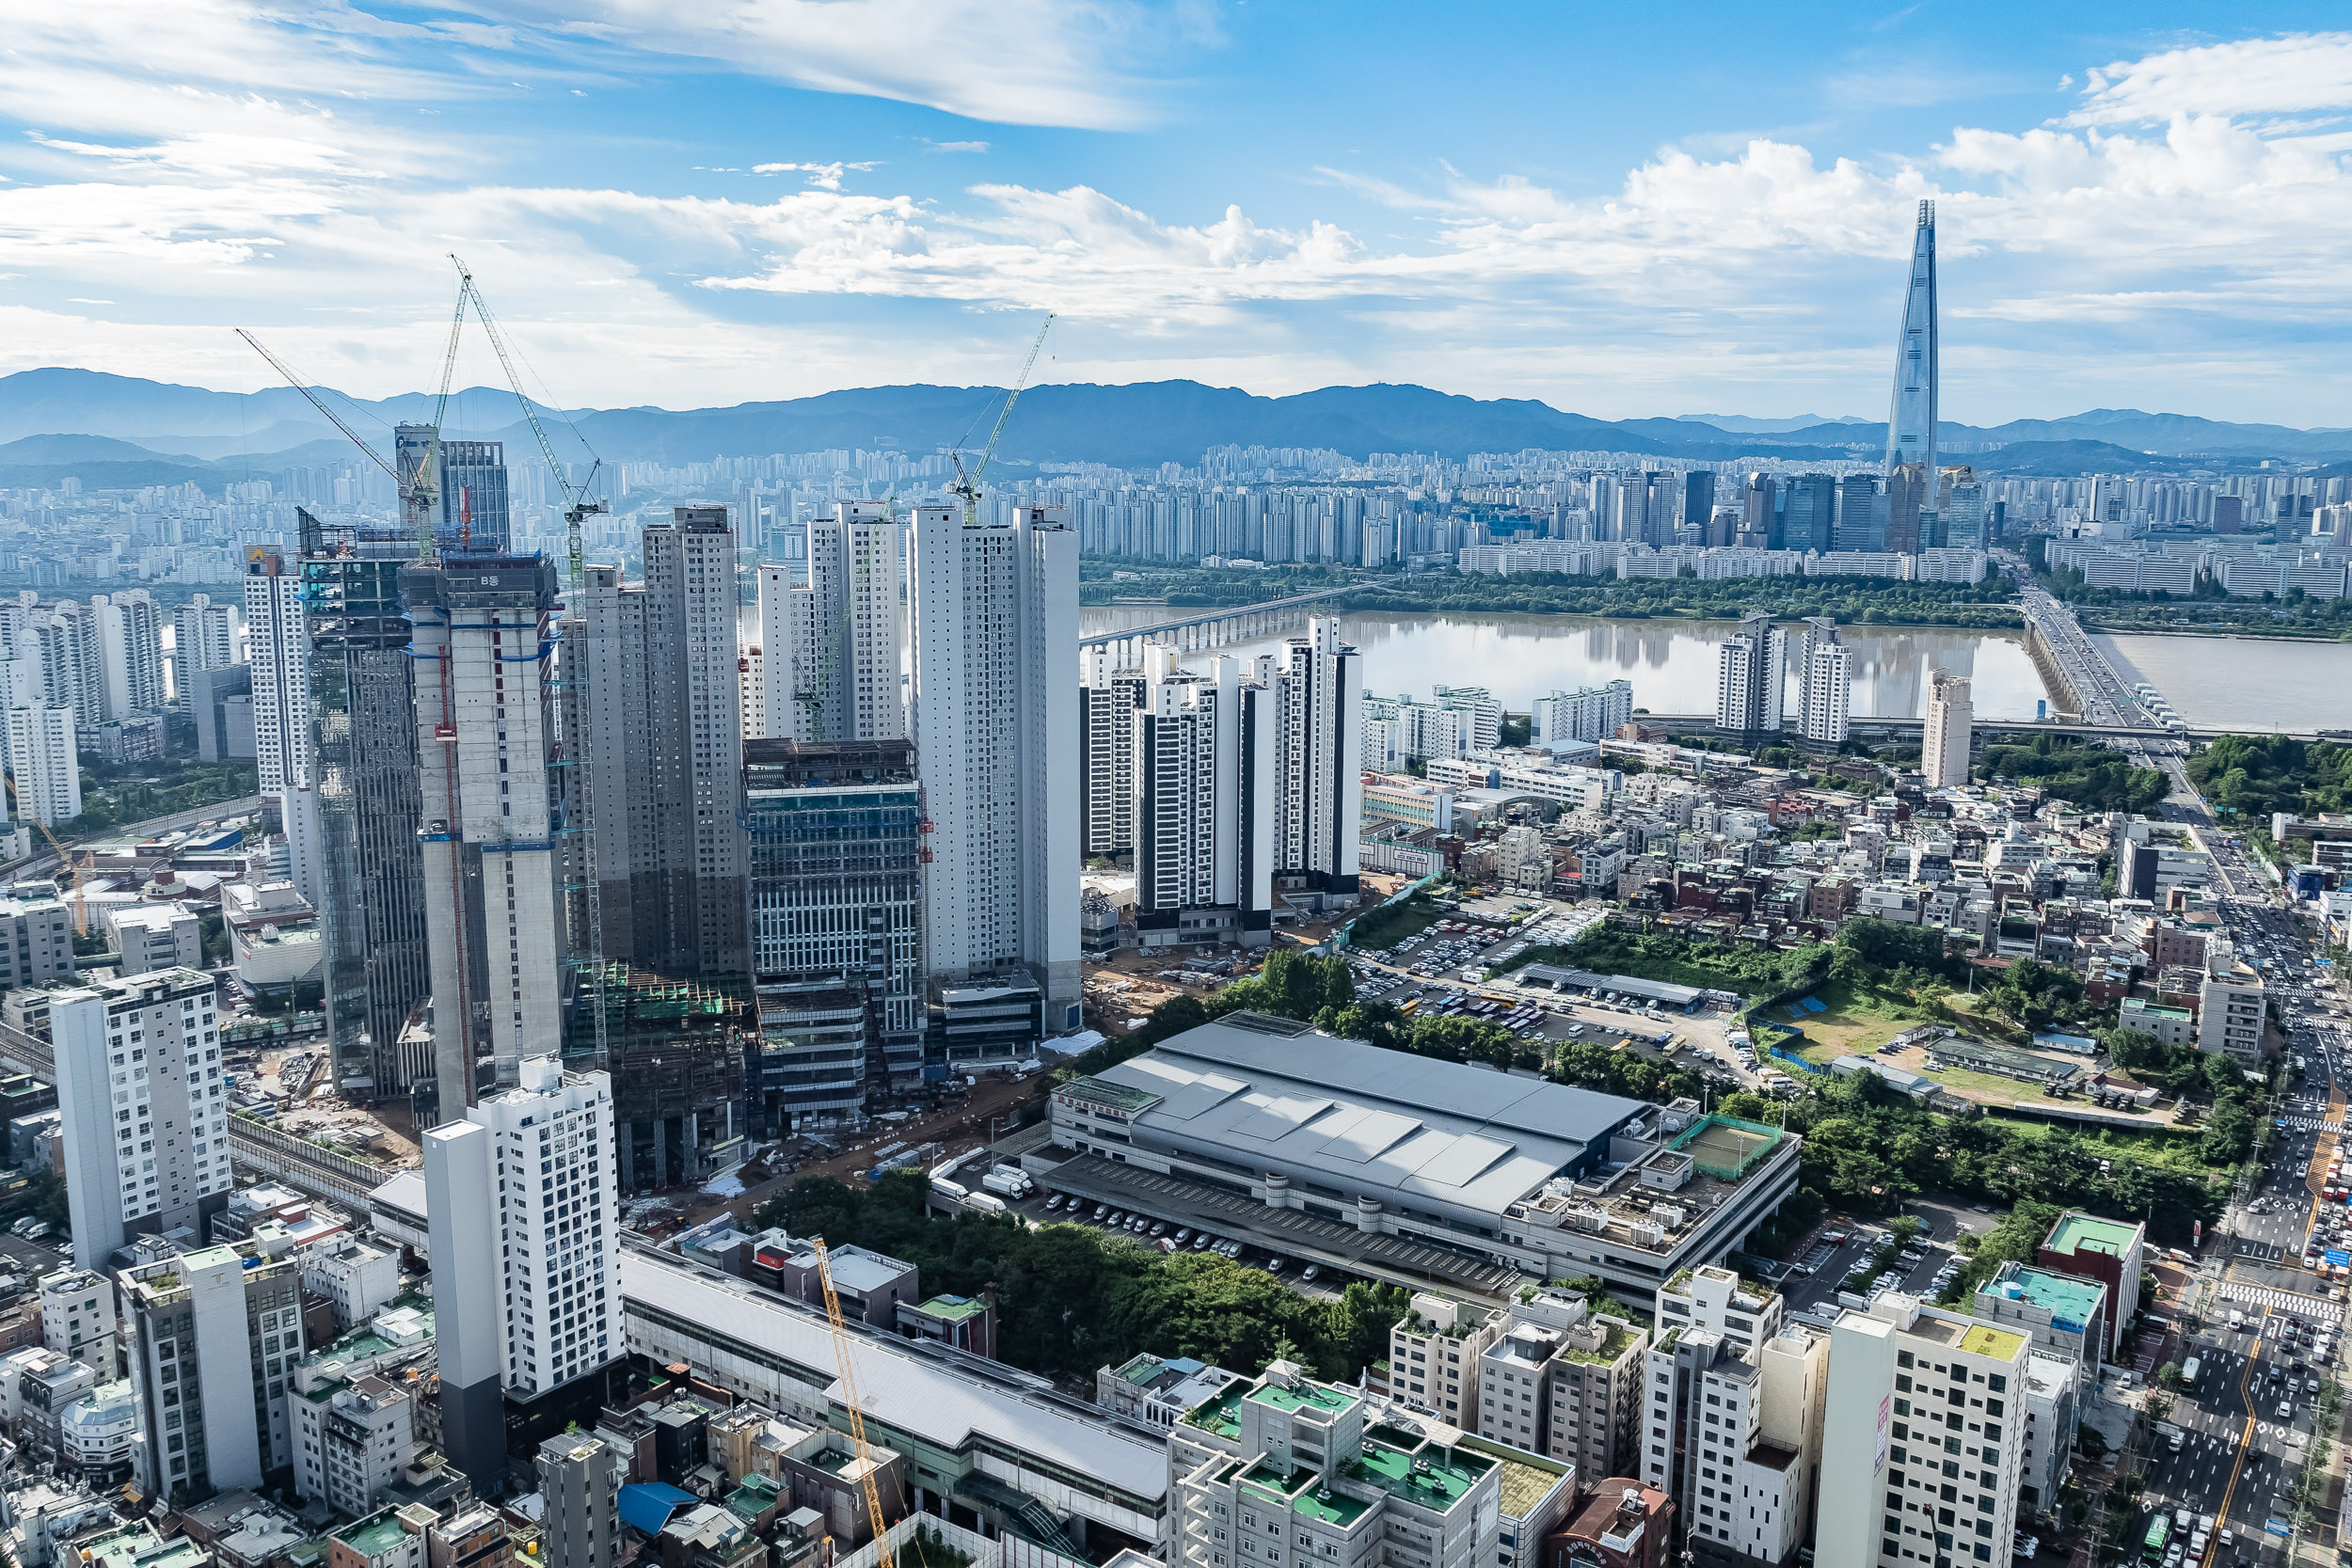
pixel 857 1409
pixel 968 484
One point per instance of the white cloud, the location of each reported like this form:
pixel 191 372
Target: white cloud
pixel 206 175
pixel 2257 78
pixel 1017 62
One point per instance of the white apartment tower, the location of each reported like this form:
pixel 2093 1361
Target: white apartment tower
pixel 994 616
pixel 143 1108
pixel 829 650
pixel 73 672
pixel 1592 713
pixel 481 640
pixel 1924 1434
pixel 1318 785
pixel 1950 731
pixel 1748 679
pixel 131 651
pixel 45 764
pixel 203 637
pixel 523 1213
pixel 1824 683
pixel 279 644
pixel 696 718
pixel 1107 699
pixel 1203 752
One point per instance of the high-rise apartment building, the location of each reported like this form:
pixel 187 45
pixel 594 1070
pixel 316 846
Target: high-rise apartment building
pixel 1586 716
pixel 1203 751
pixel 377 969
pixel 995 617
pixel 1748 679
pixel 143 1108
pixel 1950 731
pixel 214 1338
pixel 45 764
pixel 131 650
pixel 696 710
pixel 1924 1437
pixel 1824 683
pixel 1434 1354
pixel 829 650
pixel 1107 699
pixel 652 705
pixel 523 1213
pixel 837 842
pixel 481 633
pixel 1911 414
pixel 277 636
pixel 64 637
pixel 1760 505
pixel 1318 785
pixel 203 637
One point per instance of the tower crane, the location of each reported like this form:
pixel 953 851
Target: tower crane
pixel 420 489
pixel 851 1398
pixel 968 484
pixel 577 504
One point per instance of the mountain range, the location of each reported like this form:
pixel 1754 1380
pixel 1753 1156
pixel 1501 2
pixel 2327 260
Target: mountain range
pixel 113 431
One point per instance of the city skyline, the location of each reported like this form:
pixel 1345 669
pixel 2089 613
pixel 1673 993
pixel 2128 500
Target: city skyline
pixel 2134 211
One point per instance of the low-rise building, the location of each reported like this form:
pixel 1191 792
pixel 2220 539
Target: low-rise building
pixel 1287 1472
pixel 2065 1314
pixel 98 1433
pixel 1625 1524
pixel 77 1318
pixel 353 1441
pixel 2171 1026
pixel 1159 1390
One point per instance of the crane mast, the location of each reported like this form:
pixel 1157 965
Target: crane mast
pixel 851 1398
pixel 577 504
pixel 968 484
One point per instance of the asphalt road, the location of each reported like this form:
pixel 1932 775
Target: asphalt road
pixel 2246 1425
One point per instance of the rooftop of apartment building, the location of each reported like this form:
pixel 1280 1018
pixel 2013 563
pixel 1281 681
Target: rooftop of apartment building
pixel 2078 1232
pixel 2068 1299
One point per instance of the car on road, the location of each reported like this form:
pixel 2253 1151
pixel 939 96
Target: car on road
pixel 2286 1410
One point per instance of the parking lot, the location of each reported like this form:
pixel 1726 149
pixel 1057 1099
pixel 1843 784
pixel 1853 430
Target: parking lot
pixel 1840 1255
pixel 1446 972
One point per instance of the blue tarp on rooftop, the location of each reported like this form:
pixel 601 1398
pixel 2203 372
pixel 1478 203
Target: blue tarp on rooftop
pixel 646 1506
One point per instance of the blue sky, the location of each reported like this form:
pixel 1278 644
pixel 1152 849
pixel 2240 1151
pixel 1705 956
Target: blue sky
pixel 1623 211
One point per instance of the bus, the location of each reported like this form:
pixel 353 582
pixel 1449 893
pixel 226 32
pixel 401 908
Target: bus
pixel 2159 1536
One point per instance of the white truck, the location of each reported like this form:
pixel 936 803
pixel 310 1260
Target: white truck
pixel 1009 1182
pixel 987 1203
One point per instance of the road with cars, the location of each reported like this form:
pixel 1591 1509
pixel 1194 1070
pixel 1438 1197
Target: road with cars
pixel 2264 1307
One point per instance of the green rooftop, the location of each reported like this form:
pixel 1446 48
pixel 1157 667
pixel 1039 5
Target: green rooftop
pixel 373 1536
pixel 1432 1478
pixel 954 1308
pixel 1620 1339
pixel 1217 1415
pixel 2075 1234
pixel 1307 1396
pixel 1302 1491
pixel 1997 1343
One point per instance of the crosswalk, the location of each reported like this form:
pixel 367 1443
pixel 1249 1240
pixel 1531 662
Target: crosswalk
pixel 2314 1124
pixel 2285 1301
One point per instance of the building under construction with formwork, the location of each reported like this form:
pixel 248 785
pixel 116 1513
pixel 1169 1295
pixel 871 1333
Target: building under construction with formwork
pixel 838 832
pixel 676 1048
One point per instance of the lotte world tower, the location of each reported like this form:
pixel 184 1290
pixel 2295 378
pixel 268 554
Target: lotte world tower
pixel 1911 420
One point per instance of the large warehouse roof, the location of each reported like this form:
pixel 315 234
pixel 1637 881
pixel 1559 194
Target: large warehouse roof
pixel 1292 1099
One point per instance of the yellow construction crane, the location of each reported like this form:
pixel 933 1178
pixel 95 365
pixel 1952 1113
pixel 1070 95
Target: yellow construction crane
pixel 65 856
pixel 857 1409
pixel 968 484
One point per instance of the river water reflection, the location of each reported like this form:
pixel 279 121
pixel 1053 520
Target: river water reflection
pixel 1672 664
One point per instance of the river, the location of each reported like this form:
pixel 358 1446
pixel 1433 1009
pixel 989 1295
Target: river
pixel 1672 664
pixel 2241 683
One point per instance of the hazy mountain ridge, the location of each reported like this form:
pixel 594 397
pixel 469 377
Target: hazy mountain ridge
pixel 56 418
